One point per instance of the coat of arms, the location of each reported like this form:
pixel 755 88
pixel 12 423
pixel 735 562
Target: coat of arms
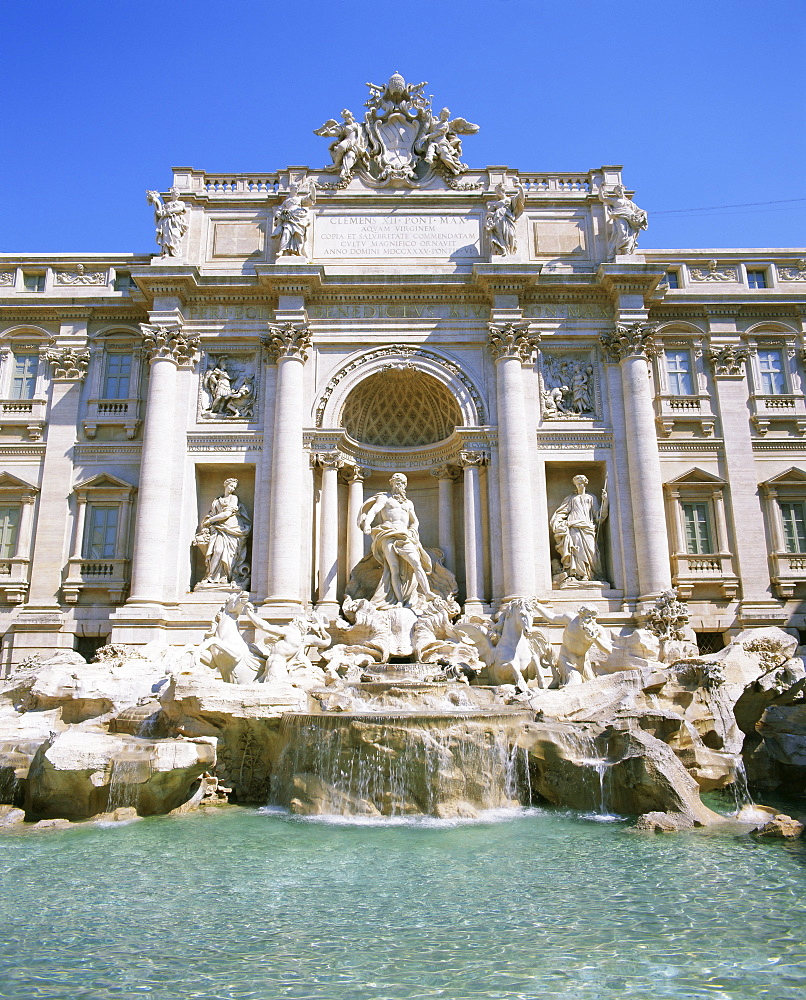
pixel 400 141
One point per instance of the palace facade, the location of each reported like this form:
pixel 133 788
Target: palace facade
pixel 490 333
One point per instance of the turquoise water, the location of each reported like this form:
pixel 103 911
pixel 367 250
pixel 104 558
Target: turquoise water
pixel 248 904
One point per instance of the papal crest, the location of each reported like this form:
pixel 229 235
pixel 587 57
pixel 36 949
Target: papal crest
pixel 400 140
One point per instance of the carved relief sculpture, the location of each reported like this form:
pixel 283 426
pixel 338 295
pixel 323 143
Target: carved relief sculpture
pixel 81 276
pixel 502 215
pixel 796 273
pixel 292 219
pixel 714 273
pixel 575 527
pixel 222 539
pixel 229 390
pixel 625 220
pixel 396 546
pixel 68 363
pixel 567 387
pixel 171 218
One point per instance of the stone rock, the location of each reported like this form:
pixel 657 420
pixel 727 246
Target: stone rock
pixel 81 773
pixel 637 649
pixel 9 816
pixel 124 814
pixel 768 822
pixel 662 822
pixel 51 824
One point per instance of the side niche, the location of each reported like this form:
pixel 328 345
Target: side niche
pixel 228 387
pixel 578 525
pixel 569 385
pixel 221 548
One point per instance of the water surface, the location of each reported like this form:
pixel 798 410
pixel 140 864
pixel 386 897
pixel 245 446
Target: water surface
pixel 257 906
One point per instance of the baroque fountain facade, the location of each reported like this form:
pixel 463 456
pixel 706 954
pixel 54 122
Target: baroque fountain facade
pixel 401 487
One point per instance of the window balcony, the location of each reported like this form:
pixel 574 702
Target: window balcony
pixel 781 408
pixel 110 575
pixel 14 579
pixel 715 569
pixel 123 413
pixel 687 410
pixel 24 413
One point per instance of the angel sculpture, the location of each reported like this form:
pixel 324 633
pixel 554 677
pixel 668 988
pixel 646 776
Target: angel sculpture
pixel 441 146
pixel 349 146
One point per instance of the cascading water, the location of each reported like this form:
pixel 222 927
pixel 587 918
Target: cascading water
pixel 394 765
pixel 128 773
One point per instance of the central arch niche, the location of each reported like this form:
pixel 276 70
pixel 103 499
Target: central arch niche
pixel 400 407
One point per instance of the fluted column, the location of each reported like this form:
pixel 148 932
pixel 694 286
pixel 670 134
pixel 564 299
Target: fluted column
pixel 630 346
pixel 471 462
pixel 289 346
pixel 445 476
pixel 329 462
pixel 167 348
pixel 512 345
pixel 355 477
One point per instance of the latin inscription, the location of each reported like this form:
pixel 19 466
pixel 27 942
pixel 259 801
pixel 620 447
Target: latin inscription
pixel 383 236
pixel 229 312
pixel 401 310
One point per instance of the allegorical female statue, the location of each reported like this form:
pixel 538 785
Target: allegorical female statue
pixel 502 214
pixel 171 221
pixel 575 525
pixel 222 538
pixel 625 220
pixel 292 218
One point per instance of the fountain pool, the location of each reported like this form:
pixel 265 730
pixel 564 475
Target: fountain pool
pixel 258 905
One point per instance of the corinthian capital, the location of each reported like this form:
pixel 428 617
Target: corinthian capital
pixel 287 341
pixel 630 340
pixel 167 340
pixel 68 364
pixel 727 360
pixel 328 459
pixel 512 340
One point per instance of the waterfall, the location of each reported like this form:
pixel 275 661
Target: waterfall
pixel 396 765
pixel 580 748
pixel 128 773
pixel 741 792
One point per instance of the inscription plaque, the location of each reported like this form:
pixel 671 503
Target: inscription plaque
pixel 237 239
pixel 454 237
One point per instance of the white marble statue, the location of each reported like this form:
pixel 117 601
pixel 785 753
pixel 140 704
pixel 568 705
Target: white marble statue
pixel 284 648
pixel 171 218
pixel 575 526
pixel 581 633
pixel 349 146
pixel 624 218
pixel 396 546
pixel 224 648
pixel 502 214
pixel 513 651
pixel 222 538
pixel 292 219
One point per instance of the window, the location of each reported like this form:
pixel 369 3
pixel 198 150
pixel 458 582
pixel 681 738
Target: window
pixel 23 384
pixel 117 376
pixel 757 279
pixel 771 370
pixel 678 368
pixel 101 534
pixel 697 528
pixel 672 279
pixel 792 515
pixel 34 282
pixel 9 525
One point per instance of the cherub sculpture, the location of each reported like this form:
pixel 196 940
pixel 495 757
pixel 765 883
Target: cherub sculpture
pixel 441 146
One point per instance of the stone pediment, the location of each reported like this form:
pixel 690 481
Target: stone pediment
pixel 792 477
pixel 697 477
pixel 103 481
pixel 11 484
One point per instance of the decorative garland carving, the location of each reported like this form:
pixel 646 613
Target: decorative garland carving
pixel 727 360
pixel 392 351
pixel 68 363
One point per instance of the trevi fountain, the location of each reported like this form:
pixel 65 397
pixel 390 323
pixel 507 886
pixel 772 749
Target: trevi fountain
pixel 406 699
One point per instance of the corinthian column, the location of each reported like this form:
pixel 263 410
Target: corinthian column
pixel 471 461
pixel 445 476
pixel 355 477
pixel 330 462
pixel 631 346
pixel 167 348
pixel 512 346
pixel 288 346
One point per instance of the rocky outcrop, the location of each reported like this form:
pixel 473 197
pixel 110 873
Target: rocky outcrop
pixel 79 773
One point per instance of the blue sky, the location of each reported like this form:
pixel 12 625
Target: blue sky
pixel 703 102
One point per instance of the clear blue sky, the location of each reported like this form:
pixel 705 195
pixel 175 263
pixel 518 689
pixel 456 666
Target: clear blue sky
pixel 703 102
